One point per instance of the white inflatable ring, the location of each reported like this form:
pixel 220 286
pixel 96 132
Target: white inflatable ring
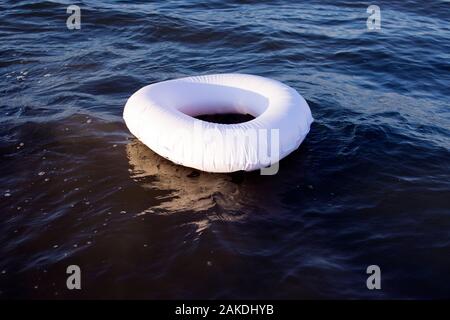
pixel 161 115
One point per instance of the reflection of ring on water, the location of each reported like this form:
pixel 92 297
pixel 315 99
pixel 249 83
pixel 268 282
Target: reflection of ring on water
pixel 228 196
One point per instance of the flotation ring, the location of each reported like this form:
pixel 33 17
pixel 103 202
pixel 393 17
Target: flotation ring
pixel 161 115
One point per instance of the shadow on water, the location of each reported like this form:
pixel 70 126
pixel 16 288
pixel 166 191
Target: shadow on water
pixel 227 195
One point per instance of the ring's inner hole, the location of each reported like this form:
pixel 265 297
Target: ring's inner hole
pixel 212 102
pixel 226 118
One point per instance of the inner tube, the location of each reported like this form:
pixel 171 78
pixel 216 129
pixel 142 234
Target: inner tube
pixel 162 116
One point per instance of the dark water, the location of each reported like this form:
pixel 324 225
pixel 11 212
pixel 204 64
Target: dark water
pixel 370 184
